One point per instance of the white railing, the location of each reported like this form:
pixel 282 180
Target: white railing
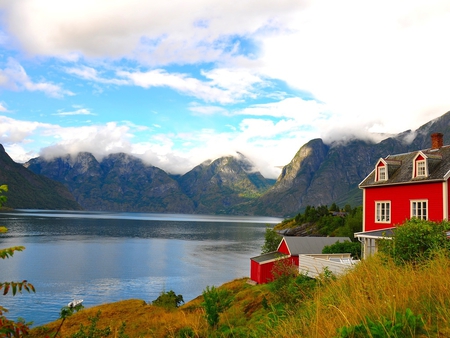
pixel 313 265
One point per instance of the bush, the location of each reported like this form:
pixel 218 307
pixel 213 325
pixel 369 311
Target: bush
pixel 403 325
pixel 416 240
pixel 215 302
pixel 168 300
pixel 354 248
pixel 289 287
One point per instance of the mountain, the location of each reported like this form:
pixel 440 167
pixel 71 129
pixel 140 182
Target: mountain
pixel 26 190
pixel 122 182
pixel 119 182
pixel 216 186
pixel 321 174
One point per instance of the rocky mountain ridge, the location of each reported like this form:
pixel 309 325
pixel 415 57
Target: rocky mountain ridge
pixel 27 190
pixel 122 182
pixel 319 174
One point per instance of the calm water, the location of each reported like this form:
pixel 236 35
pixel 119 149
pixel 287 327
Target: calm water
pixel 106 257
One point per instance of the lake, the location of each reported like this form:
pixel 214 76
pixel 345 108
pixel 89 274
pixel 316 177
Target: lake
pixel 106 257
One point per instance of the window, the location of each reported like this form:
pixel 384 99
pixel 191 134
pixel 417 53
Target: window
pixel 420 169
pixel 383 212
pixel 382 174
pixel 419 209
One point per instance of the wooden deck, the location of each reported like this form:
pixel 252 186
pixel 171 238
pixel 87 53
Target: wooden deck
pixel 313 265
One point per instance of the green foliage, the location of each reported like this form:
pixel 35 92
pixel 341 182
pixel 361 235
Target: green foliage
pixel 329 222
pixel 3 189
pixel 10 328
pixel 92 331
pixel 352 224
pixel 185 332
pixel 215 301
pixel 168 300
pixel 402 325
pixel 354 248
pixel 334 207
pixel 271 240
pixel 67 311
pixel 416 240
pixel 289 287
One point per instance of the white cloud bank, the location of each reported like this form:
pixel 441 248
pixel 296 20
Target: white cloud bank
pixel 367 67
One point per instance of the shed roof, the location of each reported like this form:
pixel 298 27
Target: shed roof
pixel 268 257
pixel 438 168
pixel 310 245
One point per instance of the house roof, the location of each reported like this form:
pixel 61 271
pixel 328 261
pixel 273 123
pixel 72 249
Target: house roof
pixel 268 257
pixel 310 245
pixel 400 168
pixel 382 233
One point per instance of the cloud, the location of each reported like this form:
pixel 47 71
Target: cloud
pixel 225 86
pixel 377 66
pixel 160 32
pixel 14 77
pixel 91 74
pixel 3 108
pixel 16 131
pixel 80 111
pixel 100 140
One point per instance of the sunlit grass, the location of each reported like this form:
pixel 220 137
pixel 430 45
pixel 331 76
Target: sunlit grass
pixel 376 288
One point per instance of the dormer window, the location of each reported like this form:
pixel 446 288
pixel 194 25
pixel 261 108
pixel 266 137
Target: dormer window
pixel 421 165
pixel 382 173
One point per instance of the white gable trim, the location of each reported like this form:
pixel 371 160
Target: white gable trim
pixel 415 165
pixel 377 171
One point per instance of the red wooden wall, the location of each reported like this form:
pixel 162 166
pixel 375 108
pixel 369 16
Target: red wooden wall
pixel 263 272
pixel 400 197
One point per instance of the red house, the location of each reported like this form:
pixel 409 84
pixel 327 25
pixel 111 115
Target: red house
pixel 414 184
pixel 290 247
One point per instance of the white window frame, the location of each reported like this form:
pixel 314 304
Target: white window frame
pixel 419 209
pixel 421 168
pixel 383 212
pixel 382 173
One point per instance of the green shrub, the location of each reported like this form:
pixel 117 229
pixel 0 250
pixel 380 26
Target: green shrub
pixel 416 240
pixel 354 248
pixel 402 325
pixel 215 302
pixel 168 300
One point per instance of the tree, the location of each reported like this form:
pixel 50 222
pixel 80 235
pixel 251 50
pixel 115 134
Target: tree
pixel 271 240
pixel 10 328
pixel 354 248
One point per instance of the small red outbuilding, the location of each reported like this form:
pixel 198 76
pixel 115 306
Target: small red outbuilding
pixel 290 247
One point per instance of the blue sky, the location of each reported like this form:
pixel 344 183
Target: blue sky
pixel 178 84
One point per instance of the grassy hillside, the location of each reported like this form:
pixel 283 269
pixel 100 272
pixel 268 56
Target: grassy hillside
pixel 377 293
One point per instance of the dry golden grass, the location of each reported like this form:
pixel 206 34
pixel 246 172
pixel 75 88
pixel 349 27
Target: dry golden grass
pixel 142 320
pixel 376 288
pixel 145 320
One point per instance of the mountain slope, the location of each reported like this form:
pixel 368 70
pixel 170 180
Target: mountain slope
pixel 26 190
pixel 321 174
pixel 120 182
pixel 216 186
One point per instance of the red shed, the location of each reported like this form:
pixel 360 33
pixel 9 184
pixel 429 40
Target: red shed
pixel 403 186
pixel 290 247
